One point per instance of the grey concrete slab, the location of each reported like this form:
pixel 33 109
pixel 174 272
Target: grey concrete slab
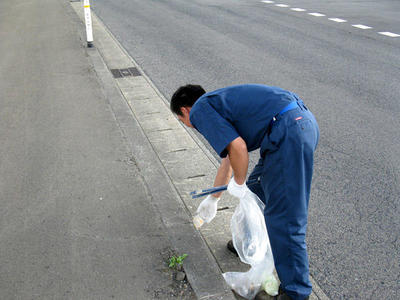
pixel 178 168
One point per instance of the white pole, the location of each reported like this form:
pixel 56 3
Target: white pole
pixel 88 22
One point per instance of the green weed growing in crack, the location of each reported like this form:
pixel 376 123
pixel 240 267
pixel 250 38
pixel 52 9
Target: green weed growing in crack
pixel 175 262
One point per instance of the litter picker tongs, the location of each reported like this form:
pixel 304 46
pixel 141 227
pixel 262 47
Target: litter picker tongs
pixel 216 189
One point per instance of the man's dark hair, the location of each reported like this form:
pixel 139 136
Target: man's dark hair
pixel 185 96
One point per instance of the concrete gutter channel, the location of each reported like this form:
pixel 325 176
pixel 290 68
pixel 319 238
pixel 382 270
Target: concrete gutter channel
pixel 173 162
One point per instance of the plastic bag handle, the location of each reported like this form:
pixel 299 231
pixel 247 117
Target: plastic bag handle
pixel 216 189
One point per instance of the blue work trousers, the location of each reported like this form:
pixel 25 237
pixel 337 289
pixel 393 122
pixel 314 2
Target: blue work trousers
pixel 284 172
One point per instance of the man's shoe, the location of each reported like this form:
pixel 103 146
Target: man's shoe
pixel 231 248
pixel 283 296
pixel 262 295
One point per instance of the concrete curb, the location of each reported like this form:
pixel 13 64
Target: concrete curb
pixel 161 143
pixel 200 266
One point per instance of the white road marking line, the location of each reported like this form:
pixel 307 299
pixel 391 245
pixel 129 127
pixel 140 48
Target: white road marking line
pixel 298 9
pixel 391 34
pixel 282 5
pixel 337 20
pixel 361 26
pixel 316 14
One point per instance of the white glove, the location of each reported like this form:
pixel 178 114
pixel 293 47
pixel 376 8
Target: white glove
pixel 237 190
pixel 206 211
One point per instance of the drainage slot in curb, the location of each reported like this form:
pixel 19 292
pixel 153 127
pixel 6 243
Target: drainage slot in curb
pixel 119 73
pixel 152 113
pixel 196 176
pixel 223 208
pixel 179 150
pixel 162 130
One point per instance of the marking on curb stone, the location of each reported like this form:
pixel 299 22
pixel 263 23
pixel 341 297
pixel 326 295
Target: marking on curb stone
pixel 179 150
pixel 161 130
pixel 195 176
pixel 152 113
pixel 223 208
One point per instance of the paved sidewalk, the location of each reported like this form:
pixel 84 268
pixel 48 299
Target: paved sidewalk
pixel 78 219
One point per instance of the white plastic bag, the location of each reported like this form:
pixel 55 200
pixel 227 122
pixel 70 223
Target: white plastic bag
pixel 250 239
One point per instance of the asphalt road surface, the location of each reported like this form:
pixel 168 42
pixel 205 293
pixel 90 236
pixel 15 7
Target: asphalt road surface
pixel 343 59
